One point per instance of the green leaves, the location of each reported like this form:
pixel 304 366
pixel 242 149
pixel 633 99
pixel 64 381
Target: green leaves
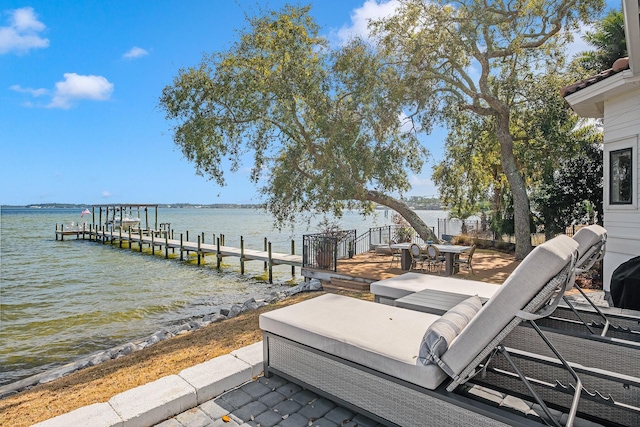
pixel 322 124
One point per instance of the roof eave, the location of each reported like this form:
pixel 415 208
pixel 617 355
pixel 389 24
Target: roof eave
pixel 589 101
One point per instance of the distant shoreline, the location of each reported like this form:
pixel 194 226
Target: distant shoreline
pixel 182 206
pixel 160 205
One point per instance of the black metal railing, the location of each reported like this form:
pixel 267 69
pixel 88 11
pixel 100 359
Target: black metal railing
pixel 322 251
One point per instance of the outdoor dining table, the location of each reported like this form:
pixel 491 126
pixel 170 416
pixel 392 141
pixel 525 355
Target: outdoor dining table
pixel 451 253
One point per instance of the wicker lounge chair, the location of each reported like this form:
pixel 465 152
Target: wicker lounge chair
pixel 590 319
pixel 369 356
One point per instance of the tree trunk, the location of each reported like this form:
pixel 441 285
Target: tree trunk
pixel 406 212
pixel 521 209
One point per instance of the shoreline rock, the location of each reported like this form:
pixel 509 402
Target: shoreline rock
pixel 125 349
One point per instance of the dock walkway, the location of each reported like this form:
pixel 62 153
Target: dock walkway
pixel 160 240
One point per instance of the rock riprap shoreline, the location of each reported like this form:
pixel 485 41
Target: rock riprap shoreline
pixel 191 324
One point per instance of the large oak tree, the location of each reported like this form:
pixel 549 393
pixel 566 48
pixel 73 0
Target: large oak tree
pixel 472 56
pixel 323 125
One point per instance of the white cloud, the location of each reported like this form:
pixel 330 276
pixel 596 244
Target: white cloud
pixel 22 34
pixel 135 52
pixel 106 194
pixel 76 87
pixel 30 91
pixel 360 18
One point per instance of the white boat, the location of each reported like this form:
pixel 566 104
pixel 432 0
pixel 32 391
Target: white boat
pixel 125 223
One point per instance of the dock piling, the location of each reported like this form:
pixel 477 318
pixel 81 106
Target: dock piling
pixel 241 255
pixel 218 257
pixel 198 250
pixel 293 252
pixel 270 265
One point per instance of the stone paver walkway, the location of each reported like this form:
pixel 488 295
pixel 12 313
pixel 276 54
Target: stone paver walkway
pixel 268 402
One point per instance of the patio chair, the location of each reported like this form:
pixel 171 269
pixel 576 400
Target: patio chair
pixel 396 254
pixel 380 361
pixel 466 261
pixel 434 259
pixel 417 257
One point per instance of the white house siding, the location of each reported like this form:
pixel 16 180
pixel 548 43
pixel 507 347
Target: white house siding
pixel 622 130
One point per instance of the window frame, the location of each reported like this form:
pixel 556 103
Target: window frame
pixel 630 141
pixel 626 152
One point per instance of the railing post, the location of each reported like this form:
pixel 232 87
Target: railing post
pixel 181 248
pixel 335 254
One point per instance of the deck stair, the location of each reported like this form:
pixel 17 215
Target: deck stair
pixel 336 284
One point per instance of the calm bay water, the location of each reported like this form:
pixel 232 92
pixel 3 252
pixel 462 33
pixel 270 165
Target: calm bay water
pixel 63 300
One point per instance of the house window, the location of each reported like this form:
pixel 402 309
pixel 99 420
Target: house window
pixel 620 172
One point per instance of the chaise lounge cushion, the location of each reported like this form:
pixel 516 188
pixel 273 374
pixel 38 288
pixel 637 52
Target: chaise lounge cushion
pixel 377 336
pixel 408 283
pixel 589 241
pixel 443 331
pixel 526 281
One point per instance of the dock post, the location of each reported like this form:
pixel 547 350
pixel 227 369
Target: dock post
pixel 218 257
pixel 270 265
pixel 293 252
pixel 129 240
pixel 56 231
pixel 241 255
pixel 198 250
pixel 203 237
pixel 166 245
pixel 120 237
pixel 187 235
pixel 153 244
pixel 140 240
pixel 181 249
pixel 265 249
pixel 84 226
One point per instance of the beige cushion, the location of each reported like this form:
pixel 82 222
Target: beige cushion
pixel 380 337
pixel 408 283
pixel 540 266
pixel 589 239
pixel 443 331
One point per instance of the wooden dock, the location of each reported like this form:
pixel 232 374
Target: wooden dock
pixel 160 240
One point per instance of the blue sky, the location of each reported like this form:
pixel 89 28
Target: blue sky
pixel 79 88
